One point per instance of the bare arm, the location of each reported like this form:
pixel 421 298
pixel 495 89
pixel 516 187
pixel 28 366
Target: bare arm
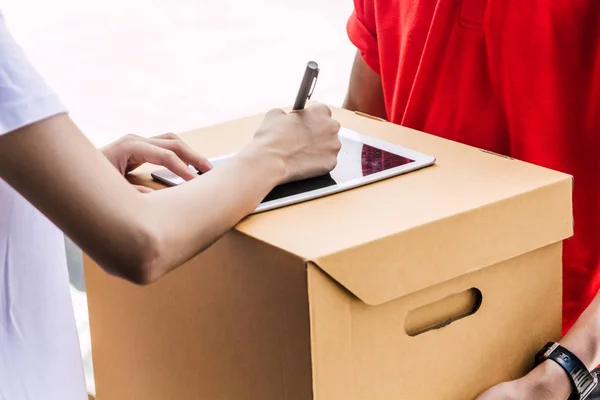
pixel 583 340
pixel 142 236
pixel 549 381
pixel 365 92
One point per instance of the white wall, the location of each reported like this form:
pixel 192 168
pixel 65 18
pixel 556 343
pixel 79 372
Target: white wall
pixel 173 65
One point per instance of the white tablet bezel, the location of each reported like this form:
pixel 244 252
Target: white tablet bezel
pixel 420 161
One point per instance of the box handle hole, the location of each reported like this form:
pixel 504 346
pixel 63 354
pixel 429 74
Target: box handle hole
pixel 443 312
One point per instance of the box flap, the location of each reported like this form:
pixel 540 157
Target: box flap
pixel 447 248
pixel 470 210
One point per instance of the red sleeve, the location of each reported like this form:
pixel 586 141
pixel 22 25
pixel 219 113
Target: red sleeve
pixel 362 30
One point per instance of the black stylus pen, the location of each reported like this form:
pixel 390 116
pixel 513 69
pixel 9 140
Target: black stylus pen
pixel 307 86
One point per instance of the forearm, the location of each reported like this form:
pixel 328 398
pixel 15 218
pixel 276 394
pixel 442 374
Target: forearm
pixel 355 102
pixel 139 237
pixel 582 340
pixel 365 92
pixel 584 337
pixel 191 217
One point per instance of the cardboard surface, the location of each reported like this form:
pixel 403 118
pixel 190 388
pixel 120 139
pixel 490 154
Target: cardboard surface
pixel 370 356
pixel 229 327
pixel 360 295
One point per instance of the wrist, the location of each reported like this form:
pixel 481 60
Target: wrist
pixel 583 339
pixel 550 379
pixel 110 155
pixel 260 157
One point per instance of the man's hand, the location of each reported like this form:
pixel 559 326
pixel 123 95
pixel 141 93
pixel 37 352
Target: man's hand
pixel 546 382
pixel 168 150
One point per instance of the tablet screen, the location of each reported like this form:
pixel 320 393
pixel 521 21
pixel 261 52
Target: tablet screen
pixel 356 160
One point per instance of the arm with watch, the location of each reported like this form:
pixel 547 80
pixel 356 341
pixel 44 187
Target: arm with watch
pixel 563 371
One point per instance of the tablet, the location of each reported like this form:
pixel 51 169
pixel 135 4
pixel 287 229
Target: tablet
pixel 362 160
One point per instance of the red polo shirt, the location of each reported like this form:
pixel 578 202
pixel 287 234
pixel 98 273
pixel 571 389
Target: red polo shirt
pixel 520 78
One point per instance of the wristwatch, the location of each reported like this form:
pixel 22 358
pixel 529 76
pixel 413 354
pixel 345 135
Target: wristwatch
pixel 582 380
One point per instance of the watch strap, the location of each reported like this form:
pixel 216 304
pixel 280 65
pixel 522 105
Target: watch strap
pixel 582 381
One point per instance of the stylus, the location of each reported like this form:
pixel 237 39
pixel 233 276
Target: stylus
pixel 307 86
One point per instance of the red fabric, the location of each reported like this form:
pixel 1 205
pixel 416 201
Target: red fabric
pixel 520 78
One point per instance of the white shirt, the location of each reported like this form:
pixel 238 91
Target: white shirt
pixel 39 348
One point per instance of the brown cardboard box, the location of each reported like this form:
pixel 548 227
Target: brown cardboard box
pixel 361 295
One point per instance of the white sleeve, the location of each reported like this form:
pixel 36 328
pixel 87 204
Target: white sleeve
pixel 25 97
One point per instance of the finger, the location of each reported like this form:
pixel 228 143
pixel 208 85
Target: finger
pixel 184 152
pixel 143 189
pixel 167 136
pixel 147 152
pixel 320 108
pixel 336 126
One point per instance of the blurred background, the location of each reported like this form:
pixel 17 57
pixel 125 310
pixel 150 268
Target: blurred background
pixel 155 66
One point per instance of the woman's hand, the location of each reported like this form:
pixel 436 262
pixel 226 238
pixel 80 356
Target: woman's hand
pixel 305 143
pixel 168 150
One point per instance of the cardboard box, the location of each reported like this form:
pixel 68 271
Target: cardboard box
pixel 432 285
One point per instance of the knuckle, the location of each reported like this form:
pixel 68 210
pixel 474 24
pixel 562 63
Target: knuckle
pixel 169 156
pixel 336 126
pixel 275 111
pixel 338 145
pixel 130 137
pixel 177 146
pixel 273 115
pixel 323 108
pixel 332 163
